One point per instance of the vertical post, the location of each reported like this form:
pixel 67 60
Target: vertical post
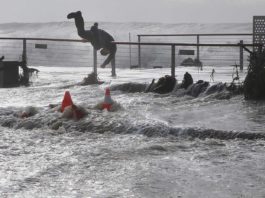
pixel 139 51
pixel 95 61
pixel 113 67
pixel 130 49
pixel 173 63
pixel 198 50
pixel 241 55
pixel 24 52
pixel 25 79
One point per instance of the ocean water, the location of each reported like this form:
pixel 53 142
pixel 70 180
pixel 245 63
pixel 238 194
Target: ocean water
pixel 154 145
pixel 151 146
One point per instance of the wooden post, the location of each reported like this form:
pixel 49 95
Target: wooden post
pixel 95 61
pixel 241 55
pixel 173 62
pixel 139 51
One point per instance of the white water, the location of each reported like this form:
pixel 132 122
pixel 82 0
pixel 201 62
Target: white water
pixel 130 152
pixel 148 148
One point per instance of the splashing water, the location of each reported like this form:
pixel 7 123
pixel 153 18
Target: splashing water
pixel 171 145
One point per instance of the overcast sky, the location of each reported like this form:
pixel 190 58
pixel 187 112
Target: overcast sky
pixel 165 11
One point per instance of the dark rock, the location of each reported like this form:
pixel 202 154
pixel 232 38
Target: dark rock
pixel 254 85
pixel 129 87
pixel 164 85
pixel 91 79
pixel 196 89
pixel 215 88
pixel 187 81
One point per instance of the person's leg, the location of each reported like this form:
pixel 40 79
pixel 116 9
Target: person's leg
pixel 79 21
pixel 113 50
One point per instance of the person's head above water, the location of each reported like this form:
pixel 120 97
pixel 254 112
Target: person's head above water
pixel 74 14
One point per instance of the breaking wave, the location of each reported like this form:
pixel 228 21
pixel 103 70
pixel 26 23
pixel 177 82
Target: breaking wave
pixel 201 88
pixel 103 122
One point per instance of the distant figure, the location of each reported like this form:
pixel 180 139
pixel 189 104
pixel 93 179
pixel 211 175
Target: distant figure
pixel 98 38
pixel 212 75
pixel 2 58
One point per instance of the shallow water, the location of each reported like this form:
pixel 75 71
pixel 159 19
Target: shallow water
pixel 153 146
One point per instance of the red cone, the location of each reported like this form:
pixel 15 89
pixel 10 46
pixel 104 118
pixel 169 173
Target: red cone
pixel 107 100
pixel 67 101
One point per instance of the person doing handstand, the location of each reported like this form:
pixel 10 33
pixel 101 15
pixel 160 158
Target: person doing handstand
pixel 99 39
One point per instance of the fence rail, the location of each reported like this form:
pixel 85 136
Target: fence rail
pixel 170 35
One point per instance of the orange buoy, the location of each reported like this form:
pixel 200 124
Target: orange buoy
pixel 107 100
pixel 67 101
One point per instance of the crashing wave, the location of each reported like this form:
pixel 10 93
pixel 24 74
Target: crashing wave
pixel 201 88
pixel 96 124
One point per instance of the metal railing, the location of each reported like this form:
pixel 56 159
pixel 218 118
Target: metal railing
pixel 173 48
pixel 70 52
pixel 197 38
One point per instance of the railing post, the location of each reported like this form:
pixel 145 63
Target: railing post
pixel 24 52
pixel 130 49
pixel 198 50
pixel 95 61
pixel 173 63
pixel 113 67
pixel 139 51
pixel 241 55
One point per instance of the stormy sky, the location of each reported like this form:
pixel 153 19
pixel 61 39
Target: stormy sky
pixel 164 11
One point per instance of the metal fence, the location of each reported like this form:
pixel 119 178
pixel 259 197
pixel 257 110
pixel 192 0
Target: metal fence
pixel 172 54
pixel 150 51
pixel 47 52
pixel 208 55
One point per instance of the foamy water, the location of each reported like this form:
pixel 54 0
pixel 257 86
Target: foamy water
pixel 153 146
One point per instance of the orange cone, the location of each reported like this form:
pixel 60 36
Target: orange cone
pixel 107 100
pixel 67 101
